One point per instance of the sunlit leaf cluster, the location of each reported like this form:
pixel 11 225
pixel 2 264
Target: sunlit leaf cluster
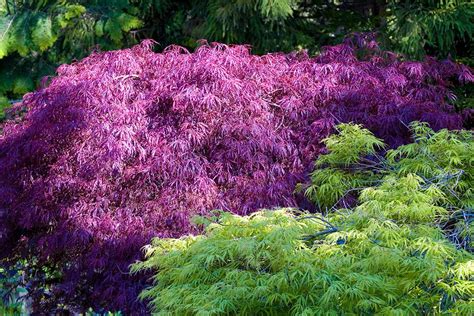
pixel 37 36
pixel 386 256
pixel 443 160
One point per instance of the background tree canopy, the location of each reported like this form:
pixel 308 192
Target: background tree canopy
pixel 37 36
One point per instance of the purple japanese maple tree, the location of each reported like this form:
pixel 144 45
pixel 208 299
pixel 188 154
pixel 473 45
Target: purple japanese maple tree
pixel 130 144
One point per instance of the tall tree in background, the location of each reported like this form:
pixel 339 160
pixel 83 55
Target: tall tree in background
pixel 37 36
pixel 436 27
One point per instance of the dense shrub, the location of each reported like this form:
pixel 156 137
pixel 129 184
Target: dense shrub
pixel 126 145
pixel 383 260
pixel 387 256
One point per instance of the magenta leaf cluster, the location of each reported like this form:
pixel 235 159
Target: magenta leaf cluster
pixel 130 144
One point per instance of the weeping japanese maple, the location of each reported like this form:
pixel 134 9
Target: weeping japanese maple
pixel 130 144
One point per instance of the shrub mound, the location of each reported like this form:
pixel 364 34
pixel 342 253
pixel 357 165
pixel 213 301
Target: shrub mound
pixel 390 255
pixel 275 263
pixel 129 144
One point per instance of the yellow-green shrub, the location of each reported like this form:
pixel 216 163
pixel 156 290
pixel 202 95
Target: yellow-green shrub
pixel 388 255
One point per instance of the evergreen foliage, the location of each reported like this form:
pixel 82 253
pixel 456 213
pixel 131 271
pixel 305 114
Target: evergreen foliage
pixel 438 27
pixel 65 28
pixel 388 255
pixel 130 144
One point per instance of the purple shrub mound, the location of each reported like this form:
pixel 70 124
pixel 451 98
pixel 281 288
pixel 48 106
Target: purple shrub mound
pixel 129 144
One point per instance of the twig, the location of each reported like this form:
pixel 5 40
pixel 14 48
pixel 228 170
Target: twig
pixel 321 233
pixel 8 27
pixel 126 77
pixel 318 217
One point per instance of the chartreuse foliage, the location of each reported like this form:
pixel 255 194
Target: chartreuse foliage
pixel 338 178
pixel 388 255
pixel 442 159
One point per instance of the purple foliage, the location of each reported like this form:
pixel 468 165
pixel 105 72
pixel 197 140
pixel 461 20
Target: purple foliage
pixel 129 144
